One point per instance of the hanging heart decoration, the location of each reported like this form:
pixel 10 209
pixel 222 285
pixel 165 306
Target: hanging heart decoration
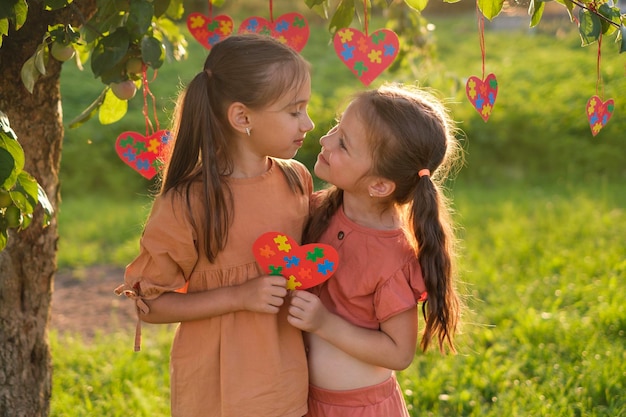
pixel 366 56
pixel 142 153
pixel 207 30
pixel 291 29
pixel 482 94
pixel 599 113
pixel 304 266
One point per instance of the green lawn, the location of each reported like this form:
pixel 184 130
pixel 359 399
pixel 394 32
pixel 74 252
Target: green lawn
pixel 542 272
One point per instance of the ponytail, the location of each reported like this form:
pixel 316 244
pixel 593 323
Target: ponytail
pixel 198 139
pixel 433 235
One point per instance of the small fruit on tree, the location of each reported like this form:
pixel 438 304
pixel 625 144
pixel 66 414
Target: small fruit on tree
pixel 62 52
pixel 13 216
pixel 124 90
pixel 5 199
pixel 134 66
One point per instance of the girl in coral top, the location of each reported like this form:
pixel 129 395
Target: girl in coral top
pixel 386 215
pixel 230 179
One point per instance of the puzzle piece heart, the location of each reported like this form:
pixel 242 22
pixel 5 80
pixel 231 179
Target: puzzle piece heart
pixel 304 266
pixel 209 31
pixel 290 28
pixel 599 113
pixel 142 153
pixel 366 56
pixel 482 94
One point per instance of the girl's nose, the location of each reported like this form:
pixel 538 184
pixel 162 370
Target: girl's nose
pixel 308 124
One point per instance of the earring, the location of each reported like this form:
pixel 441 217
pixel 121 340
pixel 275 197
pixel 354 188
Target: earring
pixel 248 131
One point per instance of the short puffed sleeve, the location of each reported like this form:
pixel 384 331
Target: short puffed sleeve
pixel 168 249
pixel 402 291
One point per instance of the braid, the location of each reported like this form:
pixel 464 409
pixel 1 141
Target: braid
pixel 434 252
pixel 319 220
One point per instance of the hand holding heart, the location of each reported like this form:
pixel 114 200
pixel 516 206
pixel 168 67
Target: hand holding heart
pixel 303 266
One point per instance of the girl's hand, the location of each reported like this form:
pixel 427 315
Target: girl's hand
pixel 264 294
pixel 306 311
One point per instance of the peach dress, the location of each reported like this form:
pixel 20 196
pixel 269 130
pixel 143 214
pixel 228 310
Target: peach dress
pixel 237 364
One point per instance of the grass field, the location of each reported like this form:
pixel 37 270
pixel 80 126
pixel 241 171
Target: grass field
pixel 544 333
pixel 541 211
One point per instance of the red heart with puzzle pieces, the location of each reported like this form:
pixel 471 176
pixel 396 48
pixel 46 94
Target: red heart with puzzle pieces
pixel 482 94
pixel 209 31
pixel 366 56
pixel 304 266
pixel 599 113
pixel 290 28
pixel 142 153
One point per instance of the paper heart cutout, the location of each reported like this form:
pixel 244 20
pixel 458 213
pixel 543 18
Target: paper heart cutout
pixel 209 31
pixel 290 28
pixel 482 94
pixel 304 266
pixel 366 56
pixel 599 113
pixel 142 153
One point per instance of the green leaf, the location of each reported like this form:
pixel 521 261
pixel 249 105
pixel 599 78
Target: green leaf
pixel 112 108
pixel 152 52
pixel 3 236
pixel 16 155
pixel 139 18
pixel 109 51
pixel 21 11
pixel 89 112
pixel 4 27
pixel 176 10
pixel 589 28
pixel 418 5
pixel 26 193
pixel 48 210
pixel 30 74
pixel 7 164
pixel 41 58
pixel 343 16
pixel 319 6
pixel 490 8
pixel 535 10
pixel 612 14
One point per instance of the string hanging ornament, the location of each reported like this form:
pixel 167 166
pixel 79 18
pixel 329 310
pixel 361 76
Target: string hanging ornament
pixel 599 112
pixel 144 153
pixel 482 92
pixel 367 56
pixel 209 30
pixel 291 28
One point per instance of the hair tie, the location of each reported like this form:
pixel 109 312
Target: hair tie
pixel 424 172
pixel 208 72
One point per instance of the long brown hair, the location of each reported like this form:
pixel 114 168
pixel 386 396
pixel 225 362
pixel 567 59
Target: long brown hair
pixel 251 69
pixel 409 130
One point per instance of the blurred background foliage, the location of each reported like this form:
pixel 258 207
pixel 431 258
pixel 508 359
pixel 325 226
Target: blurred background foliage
pixel 538 130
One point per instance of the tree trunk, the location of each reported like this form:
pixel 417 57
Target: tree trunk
pixel 28 263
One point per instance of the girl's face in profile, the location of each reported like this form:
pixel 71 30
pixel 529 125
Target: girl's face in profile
pixel 279 129
pixel 345 158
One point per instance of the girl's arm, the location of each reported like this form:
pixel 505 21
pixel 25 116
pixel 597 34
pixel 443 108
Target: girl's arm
pixel 392 346
pixel 262 295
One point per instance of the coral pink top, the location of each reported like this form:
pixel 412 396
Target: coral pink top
pixel 378 275
pixel 237 364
